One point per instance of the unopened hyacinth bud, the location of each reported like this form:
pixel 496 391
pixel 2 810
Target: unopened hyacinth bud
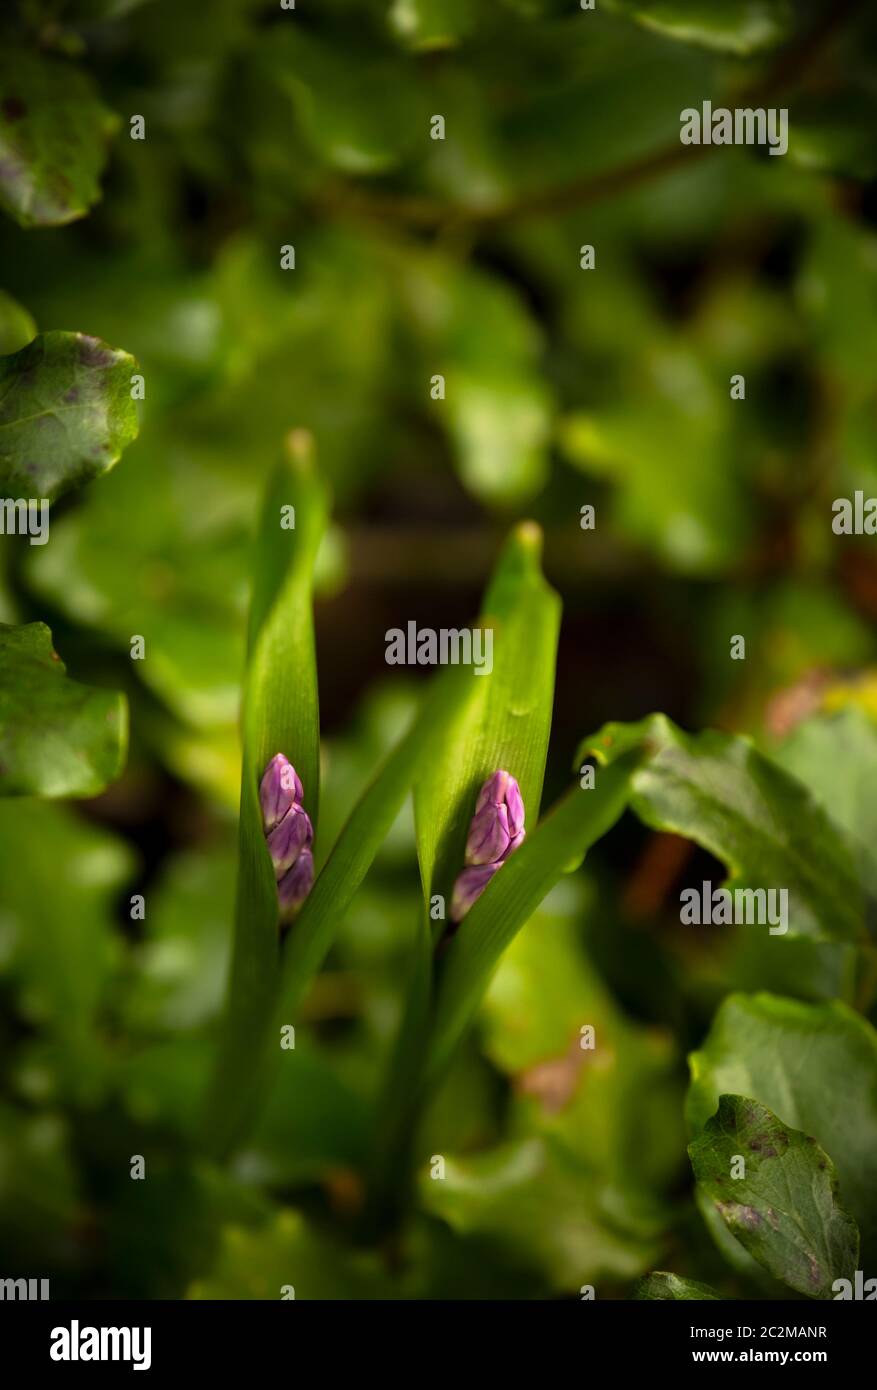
pixel 498 824
pixel 295 885
pixel 288 832
pixel 469 886
pixel 496 830
pixel 280 789
pixel 289 838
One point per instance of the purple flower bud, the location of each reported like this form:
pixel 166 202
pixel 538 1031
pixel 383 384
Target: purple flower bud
pixel 289 839
pixel 488 834
pixel 513 843
pixel 498 825
pixel 280 789
pixel 295 885
pixel 494 789
pixel 469 886
pixel 496 830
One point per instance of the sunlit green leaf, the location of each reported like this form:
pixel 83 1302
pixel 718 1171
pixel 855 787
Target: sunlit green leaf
pixel 280 715
pixel 768 828
pixel 836 757
pixel 505 722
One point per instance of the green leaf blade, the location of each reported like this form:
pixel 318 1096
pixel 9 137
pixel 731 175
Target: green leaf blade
pixel 57 738
pixel 281 700
pixel 785 1208
pixel 815 1067
pixel 54 132
pixel 720 791
pixel 505 723
pixel 66 413
pixel 280 715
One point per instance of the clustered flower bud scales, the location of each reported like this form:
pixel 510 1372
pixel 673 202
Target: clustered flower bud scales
pixel 288 832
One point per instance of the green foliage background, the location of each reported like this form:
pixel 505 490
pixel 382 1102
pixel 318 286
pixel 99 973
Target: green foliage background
pixel 565 387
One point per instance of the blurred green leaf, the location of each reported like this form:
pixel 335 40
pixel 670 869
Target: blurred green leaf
pixel 500 425
pixel 351 759
pixel 39 1196
pixel 769 830
pixel 784 1208
pixel 161 1233
pixel 834 134
pixel 181 967
pixel 314 1124
pixel 425 25
pixel 595 1100
pixel 57 737
pixel 180 581
pixel 540 1210
pixel 733 26
pixel 815 1067
pixel 66 413
pixel 671 1289
pixel 666 441
pixel 58 884
pixel 286 1259
pixel 498 408
pixel 54 132
pixel 361 118
pixel 836 757
pixel 837 285
pixel 162 1083
pixel 17 327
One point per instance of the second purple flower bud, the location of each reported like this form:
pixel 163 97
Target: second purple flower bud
pixel 287 840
